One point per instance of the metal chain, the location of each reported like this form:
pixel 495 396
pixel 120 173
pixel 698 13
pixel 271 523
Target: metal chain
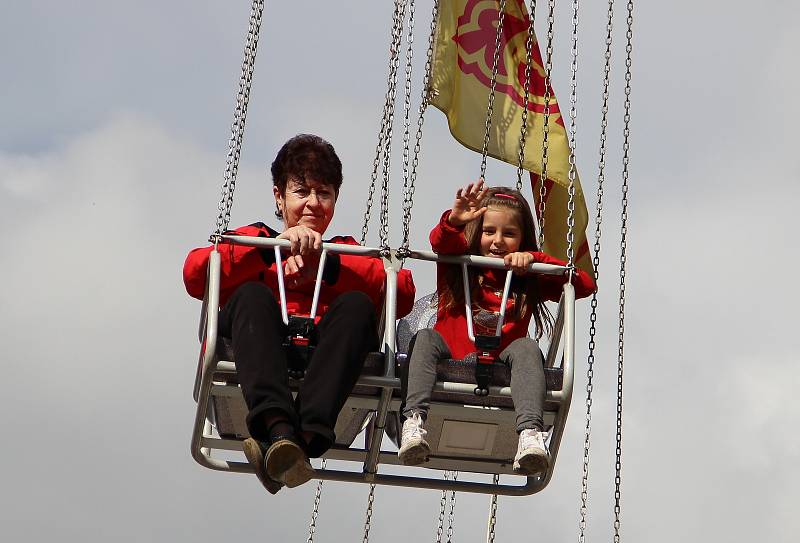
pixel 368 521
pixel 388 108
pixel 442 510
pixel 596 263
pixel 452 511
pixel 573 116
pixel 239 118
pixel 312 526
pixel 407 107
pixel 492 512
pixel 495 64
pixel 548 69
pixel 410 179
pixel 375 166
pixel 387 143
pixel 523 132
pixel 622 262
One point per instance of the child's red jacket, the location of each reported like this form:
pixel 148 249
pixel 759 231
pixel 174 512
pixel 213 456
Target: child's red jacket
pixel 447 239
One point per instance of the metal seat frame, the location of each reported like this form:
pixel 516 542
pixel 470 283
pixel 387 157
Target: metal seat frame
pixel 204 440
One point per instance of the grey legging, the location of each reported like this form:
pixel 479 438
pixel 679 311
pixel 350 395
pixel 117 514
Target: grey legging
pixel 523 356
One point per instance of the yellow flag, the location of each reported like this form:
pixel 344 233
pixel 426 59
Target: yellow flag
pixel 460 85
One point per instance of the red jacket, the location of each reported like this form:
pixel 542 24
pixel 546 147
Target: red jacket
pixel 447 239
pixel 343 273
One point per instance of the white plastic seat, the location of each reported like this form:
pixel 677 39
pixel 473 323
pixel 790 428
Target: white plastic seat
pixel 463 438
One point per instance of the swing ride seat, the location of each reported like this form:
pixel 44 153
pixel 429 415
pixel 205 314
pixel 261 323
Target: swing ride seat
pixel 473 433
pixel 220 418
pixel 467 433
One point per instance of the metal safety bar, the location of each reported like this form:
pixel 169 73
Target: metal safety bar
pixel 564 333
pixel 340 248
pixel 485 262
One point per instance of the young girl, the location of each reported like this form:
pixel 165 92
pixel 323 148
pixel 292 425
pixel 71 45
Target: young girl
pixel 496 222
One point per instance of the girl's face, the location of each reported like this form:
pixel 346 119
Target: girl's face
pixel 502 232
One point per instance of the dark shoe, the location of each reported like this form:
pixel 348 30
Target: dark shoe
pixel 255 451
pixel 287 462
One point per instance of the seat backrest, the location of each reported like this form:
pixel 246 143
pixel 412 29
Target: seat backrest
pixel 422 315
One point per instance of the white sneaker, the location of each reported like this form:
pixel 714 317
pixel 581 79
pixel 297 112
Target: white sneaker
pixel 532 455
pixel 414 450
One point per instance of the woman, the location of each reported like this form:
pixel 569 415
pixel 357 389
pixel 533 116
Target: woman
pixel 285 432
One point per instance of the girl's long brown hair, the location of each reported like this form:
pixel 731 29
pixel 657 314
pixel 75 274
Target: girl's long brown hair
pixel 524 293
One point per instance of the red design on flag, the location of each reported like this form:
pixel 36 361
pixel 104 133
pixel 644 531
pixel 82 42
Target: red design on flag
pixel 583 250
pixel 477 33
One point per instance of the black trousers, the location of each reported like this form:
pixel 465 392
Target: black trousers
pixel 345 334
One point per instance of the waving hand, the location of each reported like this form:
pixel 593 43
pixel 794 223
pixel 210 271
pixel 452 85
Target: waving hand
pixel 467 206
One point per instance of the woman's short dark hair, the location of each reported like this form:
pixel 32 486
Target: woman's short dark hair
pixel 307 156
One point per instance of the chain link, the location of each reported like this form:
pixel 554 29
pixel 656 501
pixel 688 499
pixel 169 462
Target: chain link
pixel 312 526
pixel 409 179
pixel 239 118
pixel 492 512
pixel 622 263
pixel 548 95
pixel 452 511
pixel 384 133
pixel 490 106
pixel 523 132
pixel 573 117
pixel 368 521
pixel 596 263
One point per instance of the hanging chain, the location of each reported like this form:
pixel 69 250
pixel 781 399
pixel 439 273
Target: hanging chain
pixel 523 132
pixel 239 118
pixel 409 179
pixel 622 262
pixel 495 65
pixel 492 512
pixel 368 521
pixel 312 526
pixel 548 95
pixel 452 511
pixel 596 263
pixel 387 143
pixel 407 108
pixel 573 116
pixel 442 510
pixel 388 108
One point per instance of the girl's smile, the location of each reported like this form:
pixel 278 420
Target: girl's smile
pixel 501 234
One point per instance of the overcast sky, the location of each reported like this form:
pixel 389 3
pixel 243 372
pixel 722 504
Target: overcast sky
pixel 115 120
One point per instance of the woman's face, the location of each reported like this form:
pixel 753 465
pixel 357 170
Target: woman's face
pixel 501 233
pixel 307 203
